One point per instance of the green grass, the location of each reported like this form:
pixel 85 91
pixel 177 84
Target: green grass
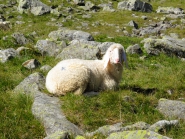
pixel 17 121
pixel 145 82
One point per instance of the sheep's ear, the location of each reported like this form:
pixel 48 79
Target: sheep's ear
pixel 124 57
pixel 106 61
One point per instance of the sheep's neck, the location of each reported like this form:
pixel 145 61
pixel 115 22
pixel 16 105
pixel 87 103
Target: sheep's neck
pixel 115 71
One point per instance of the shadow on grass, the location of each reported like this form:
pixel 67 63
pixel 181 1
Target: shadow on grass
pixel 140 90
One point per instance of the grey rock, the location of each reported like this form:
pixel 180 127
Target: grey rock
pixel 174 35
pixel 89 6
pixel 109 8
pixel 48 110
pixel 31 84
pixel 58 135
pixel 80 49
pixel 45 108
pixel 163 124
pixel 78 35
pixel 39 10
pixel 175 16
pixel 135 49
pixel 135 5
pixel 106 130
pixel 20 38
pixel 45 68
pixel 7 54
pixel 50 48
pixel 137 126
pixel 144 17
pixel 167 45
pixel 31 64
pixel 79 2
pixel 56 12
pixel 170 10
pixel 35 6
pixel 133 24
pixel 154 29
pixel 137 134
pixel 172 108
pixel 66 34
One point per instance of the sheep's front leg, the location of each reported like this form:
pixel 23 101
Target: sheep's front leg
pixel 80 90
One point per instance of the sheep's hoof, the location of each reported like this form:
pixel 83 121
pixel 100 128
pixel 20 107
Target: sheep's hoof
pixel 90 94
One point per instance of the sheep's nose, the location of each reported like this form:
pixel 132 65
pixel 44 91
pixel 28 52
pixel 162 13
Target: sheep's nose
pixel 117 60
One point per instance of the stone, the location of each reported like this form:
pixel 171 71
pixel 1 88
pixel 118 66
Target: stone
pixel 163 124
pixel 137 126
pixel 78 35
pixel 167 45
pixel 35 6
pixel 20 38
pixel 118 127
pixel 31 84
pixel 45 68
pixel 133 24
pixel 50 48
pixel 46 108
pixel 154 29
pixel 7 54
pixel 80 49
pixel 135 5
pixel 39 10
pixel 58 135
pixel 144 17
pixel 170 10
pixel 135 49
pixel 79 2
pixel 66 34
pixel 31 64
pixel 172 108
pixel 137 134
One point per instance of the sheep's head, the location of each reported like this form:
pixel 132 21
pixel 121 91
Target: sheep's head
pixel 115 54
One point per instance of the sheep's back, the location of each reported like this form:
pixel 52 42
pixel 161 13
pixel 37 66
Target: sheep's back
pixel 67 76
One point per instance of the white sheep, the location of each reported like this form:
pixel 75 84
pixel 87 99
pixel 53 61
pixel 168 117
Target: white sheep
pixel 79 76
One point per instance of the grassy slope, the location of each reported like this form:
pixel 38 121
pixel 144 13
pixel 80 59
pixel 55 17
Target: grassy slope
pixel 107 108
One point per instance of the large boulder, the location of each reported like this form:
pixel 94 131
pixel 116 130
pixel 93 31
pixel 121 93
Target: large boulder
pixel 46 108
pixel 135 5
pixel 35 6
pixel 167 45
pixel 154 29
pixel 81 49
pixel 172 108
pixel 50 48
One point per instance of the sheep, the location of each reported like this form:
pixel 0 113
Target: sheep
pixel 79 76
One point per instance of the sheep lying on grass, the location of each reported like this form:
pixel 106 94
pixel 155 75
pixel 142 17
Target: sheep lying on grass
pixel 79 76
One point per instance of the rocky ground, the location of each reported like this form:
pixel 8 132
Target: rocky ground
pixel 65 43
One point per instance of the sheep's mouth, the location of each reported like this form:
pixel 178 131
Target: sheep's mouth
pixel 118 63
